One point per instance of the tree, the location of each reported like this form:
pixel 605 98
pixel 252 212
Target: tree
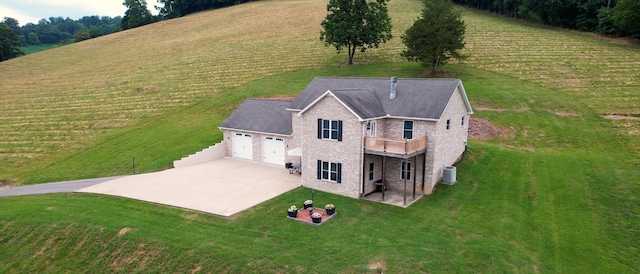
pixel 13 24
pixel 9 43
pixel 605 22
pixel 33 39
pixel 82 35
pixel 437 36
pixel 626 17
pixel 95 32
pixel 356 24
pixel 137 14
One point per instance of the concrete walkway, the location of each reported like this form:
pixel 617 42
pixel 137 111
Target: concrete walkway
pixel 221 187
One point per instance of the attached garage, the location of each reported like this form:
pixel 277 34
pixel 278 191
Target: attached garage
pixel 273 150
pixel 242 146
pixel 258 130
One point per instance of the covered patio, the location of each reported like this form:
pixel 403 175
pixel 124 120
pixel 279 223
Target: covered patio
pixel 391 189
pixel 396 198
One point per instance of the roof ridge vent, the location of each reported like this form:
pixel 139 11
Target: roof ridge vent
pixel 393 93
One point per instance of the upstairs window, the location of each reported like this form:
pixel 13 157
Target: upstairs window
pixel 328 171
pixel 463 120
pixel 407 130
pixel 448 124
pixel 330 129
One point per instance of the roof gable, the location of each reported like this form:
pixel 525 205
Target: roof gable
pixel 361 103
pixel 369 97
pixel 261 115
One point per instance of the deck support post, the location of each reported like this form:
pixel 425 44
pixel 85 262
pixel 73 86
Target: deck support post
pixel 384 183
pixel 405 182
pixel 415 174
pixel 364 174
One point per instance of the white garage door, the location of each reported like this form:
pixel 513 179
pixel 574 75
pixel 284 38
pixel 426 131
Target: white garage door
pixel 242 146
pixel 273 150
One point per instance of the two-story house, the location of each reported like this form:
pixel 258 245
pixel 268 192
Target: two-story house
pixel 353 136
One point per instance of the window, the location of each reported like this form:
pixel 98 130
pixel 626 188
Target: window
pixel 408 130
pixel 371 127
pixel 405 170
pixel 448 124
pixel 330 129
pixel 329 171
pixel 371 168
pixel 462 120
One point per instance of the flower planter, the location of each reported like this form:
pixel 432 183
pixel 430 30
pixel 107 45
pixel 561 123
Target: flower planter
pixel 316 218
pixel 293 214
pixel 308 204
pixel 330 209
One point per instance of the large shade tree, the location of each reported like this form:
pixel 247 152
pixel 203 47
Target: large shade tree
pixel 9 43
pixel 137 14
pixel 435 37
pixel 354 24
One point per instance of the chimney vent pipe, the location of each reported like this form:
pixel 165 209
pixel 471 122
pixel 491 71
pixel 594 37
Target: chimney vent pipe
pixel 393 93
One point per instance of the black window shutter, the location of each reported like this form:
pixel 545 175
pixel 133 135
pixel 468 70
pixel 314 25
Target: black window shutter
pixel 339 130
pixel 319 169
pixel 339 175
pixel 319 128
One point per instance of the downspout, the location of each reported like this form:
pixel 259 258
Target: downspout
pixel 362 159
pixel 464 153
pixel 302 161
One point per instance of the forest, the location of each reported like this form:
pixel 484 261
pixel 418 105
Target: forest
pixel 610 17
pixel 56 30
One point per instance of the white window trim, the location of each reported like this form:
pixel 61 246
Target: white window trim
pixel 403 170
pixel 329 172
pixel 372 174
pixel 330 129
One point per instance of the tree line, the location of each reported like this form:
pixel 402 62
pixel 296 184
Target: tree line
pixel 178 8
pixel 56 30
pixel 610 17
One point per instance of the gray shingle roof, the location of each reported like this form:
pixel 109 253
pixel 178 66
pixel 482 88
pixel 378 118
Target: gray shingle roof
pixel 369 97
pixel 261 115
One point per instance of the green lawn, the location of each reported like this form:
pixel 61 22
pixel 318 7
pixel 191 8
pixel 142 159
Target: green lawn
pixel 38 48
pixel 560 201
pixel 559 193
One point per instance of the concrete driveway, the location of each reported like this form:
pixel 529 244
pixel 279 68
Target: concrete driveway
pixel 221 187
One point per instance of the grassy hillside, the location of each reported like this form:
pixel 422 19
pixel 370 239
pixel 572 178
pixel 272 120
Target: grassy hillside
pixel 102 93
pixel 558 193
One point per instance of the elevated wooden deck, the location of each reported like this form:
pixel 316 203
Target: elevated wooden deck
pixel 395 148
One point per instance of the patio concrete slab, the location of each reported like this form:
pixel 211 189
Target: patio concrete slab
pixel 221 187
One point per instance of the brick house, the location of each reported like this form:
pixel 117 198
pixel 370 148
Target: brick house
pixel 353 136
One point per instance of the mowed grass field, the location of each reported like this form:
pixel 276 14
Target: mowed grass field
pixel 557 193
pixel 62 102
